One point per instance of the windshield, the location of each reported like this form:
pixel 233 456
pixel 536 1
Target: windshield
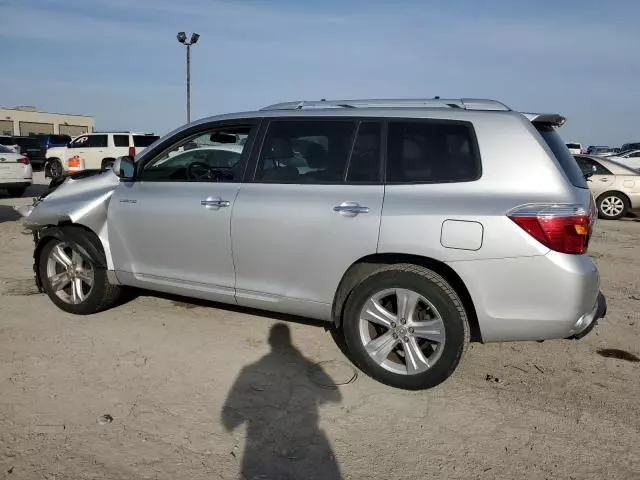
pixel 562 154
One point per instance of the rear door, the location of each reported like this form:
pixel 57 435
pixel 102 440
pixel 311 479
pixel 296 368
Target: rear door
pixel 311 210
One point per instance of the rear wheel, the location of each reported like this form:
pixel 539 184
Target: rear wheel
pixel 405 326
pixel 53 168
pixel 612 206
pixel 73 280
pixel 17 192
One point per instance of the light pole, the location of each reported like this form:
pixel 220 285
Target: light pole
pixel 182 38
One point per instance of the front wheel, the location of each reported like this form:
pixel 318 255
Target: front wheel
pixel 612 206
pixel 53 168
pixel 406 327
pixel 73 280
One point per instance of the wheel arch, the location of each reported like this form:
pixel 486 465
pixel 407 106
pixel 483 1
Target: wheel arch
pixel 618 192
pixel 365 266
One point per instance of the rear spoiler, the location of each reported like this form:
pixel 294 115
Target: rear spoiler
pixel 552 119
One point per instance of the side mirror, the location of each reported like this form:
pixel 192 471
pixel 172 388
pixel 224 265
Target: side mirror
pixel 124 167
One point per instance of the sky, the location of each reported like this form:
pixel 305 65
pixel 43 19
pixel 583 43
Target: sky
pixel 119 60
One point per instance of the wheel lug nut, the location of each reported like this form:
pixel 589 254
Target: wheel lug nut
pixel 410 329
pixel 393 324
pixel 405 339
pixel 403 321
pixel 395 335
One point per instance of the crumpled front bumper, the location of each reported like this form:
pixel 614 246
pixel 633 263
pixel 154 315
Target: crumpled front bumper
pixel 587 322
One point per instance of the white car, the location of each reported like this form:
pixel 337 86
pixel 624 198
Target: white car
pixel 16 173
pixel 574 148
pixel 630 159
pixel 95 151
pixel 10 143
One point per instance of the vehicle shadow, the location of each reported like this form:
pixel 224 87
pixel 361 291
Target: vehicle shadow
pixel 276 400
pixel 8 214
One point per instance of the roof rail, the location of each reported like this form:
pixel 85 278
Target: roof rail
pixel 462 103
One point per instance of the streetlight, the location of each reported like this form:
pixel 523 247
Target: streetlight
pixel 182 38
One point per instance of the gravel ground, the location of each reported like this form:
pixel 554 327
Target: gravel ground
pixel 163 388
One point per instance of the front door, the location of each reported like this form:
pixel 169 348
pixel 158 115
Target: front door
pixel 170 229
pixel 312 210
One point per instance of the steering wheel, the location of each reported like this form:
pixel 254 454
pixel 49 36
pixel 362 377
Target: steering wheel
pixel 199 171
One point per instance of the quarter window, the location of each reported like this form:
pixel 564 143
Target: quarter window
pixel 305 151
pixel 431 152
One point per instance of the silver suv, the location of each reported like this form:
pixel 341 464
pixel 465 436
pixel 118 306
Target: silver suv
pixel 410 226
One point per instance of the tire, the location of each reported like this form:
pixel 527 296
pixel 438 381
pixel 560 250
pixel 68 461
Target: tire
pixel 612 206
pixel 53 168
pixel 437 327
pixel 17 192
pixel 95 297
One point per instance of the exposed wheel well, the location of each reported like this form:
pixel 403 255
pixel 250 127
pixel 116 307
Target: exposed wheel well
pixel 367 265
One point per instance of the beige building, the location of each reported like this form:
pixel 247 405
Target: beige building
pixel 28 121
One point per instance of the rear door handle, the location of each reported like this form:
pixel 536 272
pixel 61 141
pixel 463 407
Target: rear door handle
pixel 214 203
pixel 350 209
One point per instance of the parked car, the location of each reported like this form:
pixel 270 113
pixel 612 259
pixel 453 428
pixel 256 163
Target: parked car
pixel 630 146
pixel 574 148
pixel 31 148
pixel 9 142
pixel 16 173
pixel 615 186
pixel 408 228
pixel 95 151
pixel 53 140
pixel 630 158
pixel 599 150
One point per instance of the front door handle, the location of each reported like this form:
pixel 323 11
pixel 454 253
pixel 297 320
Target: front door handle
pixel 350 209
pixel 604 179
pixel 215 203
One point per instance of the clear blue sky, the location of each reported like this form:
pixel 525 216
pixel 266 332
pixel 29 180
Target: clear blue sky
pixel 119 59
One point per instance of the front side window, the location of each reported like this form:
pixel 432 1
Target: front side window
pixel 80 142
pixel 143 141
pixel 210 156
pixel 588 165
pixel 305 151
pixel 431 152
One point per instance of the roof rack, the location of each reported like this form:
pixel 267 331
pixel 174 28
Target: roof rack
pixel 462 103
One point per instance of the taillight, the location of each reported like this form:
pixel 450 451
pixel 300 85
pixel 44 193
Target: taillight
pixel 23 160
pixel 560 227
pixel 132 151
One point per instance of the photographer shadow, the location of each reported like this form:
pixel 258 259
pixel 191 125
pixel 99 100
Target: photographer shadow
pixel 279 403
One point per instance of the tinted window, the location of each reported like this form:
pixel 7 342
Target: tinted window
pixel 97 141
pixel 7 141
pixel 59 139
pixel 27 142
pixel 364 164
pixel 80 142
pixel 431 152
pixel 589 165
pixel 305 151
pixel 144 141
pixel 573 145
pixel 212 156
pixel 4 149
pixel 121 140
pixel 561 152
pixel 634 155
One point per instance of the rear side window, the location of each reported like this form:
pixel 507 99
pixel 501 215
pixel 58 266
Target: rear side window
pixel 97 141
pixel 143 141
pixel 4 149
pixel 561 152
pixel 432 152
pixel 7 141
pixel 121 140
pixel 308 151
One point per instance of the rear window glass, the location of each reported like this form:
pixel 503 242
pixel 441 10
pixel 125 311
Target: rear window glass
pixel 432 152
pixel 28 142
pixel 144 140
pixel 562 154
pixel 7 141
pixel 4 149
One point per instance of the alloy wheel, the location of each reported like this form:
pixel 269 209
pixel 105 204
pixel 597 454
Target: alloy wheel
pixel 612 206
pixel 70 276
pixel 402 331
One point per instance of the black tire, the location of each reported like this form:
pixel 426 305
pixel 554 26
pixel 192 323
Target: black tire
pixel 442 296
pixel 102 296
pixel 107 163
pixel 53 168
pixel 16 192
pixel 606 201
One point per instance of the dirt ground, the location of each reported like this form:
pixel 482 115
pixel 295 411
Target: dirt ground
pixel 162 388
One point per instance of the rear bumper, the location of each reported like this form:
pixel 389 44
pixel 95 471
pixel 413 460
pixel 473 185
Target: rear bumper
pixel 533 298
pixel 587 322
